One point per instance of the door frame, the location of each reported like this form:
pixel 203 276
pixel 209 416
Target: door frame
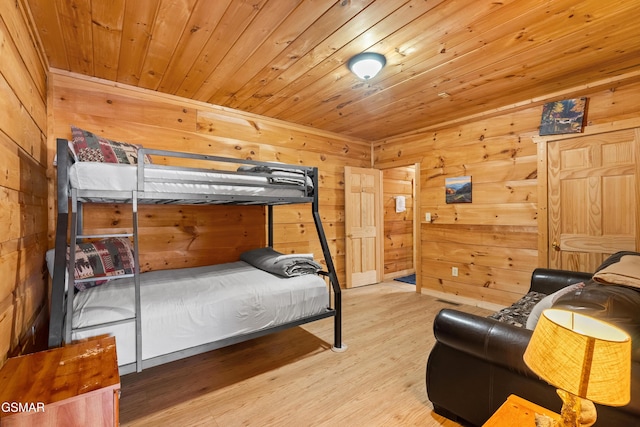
pixel 543 167
pixel 417 250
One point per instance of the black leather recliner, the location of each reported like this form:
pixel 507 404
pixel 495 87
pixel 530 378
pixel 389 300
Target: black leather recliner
pixel 477 362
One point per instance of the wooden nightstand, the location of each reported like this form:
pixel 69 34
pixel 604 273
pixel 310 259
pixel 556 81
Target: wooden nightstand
pixel 75 385
pixel 516 411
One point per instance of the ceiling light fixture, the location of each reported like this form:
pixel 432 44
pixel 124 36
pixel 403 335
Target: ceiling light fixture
pixel 367 64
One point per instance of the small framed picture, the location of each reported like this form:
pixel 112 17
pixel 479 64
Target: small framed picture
pixel 458 189
pixel 563 116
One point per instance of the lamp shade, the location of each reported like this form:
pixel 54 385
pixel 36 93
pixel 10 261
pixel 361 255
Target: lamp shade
pixel 582 355
pixel 366 65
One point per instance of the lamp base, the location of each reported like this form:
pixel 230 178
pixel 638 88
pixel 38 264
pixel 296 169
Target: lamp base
pixel 576 412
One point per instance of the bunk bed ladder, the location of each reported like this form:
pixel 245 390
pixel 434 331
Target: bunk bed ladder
pixel 76 236
pixel 136 272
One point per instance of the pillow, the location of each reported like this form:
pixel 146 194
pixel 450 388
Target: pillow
pixel 547 302
pixel 89 147
pixel 624 272
pixel 107 257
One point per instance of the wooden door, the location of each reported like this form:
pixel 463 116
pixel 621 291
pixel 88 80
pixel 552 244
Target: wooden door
pixel 363 226
pixel 593 198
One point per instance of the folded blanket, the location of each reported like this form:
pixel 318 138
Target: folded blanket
pixel 280 264
pixel 282 175
pixel 289 178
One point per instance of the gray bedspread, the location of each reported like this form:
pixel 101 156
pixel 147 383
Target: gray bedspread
pixel 275 262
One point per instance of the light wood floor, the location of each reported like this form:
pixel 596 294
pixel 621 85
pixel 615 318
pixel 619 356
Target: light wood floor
pixel 293 378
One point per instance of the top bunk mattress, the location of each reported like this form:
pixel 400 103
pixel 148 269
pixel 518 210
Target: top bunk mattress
pixel 178 182
pixel 184 308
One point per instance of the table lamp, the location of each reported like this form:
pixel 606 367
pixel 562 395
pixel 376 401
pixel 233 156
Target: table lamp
pixel 586 359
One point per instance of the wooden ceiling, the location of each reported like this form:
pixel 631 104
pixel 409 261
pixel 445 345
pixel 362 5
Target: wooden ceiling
pixel 447 60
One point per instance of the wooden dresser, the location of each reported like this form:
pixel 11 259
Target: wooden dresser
pixel 75 385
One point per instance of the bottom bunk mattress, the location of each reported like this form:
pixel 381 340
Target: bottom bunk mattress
pixel 188 307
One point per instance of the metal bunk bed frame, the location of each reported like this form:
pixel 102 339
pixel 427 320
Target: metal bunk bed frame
pixel 61 304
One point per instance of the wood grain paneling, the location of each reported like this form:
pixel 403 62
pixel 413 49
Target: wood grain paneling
pixel 182 236
pixel 448 61
pixel 185 236
pixel 493 241
pixel 23 181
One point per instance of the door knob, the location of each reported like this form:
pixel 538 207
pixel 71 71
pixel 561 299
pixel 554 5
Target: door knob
pixel 555 245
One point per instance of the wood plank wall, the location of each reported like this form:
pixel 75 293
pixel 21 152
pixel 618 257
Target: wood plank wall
pixel 493 240
pixel 23 181
pixel 398 226
pixel 173 236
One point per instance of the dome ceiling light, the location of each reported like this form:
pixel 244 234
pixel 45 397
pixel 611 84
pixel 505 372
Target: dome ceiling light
pixel 367 64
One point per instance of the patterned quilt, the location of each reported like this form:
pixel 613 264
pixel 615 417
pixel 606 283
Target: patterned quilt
pixel 518 312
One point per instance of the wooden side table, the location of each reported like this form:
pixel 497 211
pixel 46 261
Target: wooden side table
pixel 516 411
pixel 75 385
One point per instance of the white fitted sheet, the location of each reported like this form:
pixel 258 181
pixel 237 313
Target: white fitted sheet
pixel 121 177
pixel 184 308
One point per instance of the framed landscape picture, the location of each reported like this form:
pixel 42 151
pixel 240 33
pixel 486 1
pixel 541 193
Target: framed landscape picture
pixel 563 116
pixel 458 189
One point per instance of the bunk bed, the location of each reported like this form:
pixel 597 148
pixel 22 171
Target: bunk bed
pixel 162 316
